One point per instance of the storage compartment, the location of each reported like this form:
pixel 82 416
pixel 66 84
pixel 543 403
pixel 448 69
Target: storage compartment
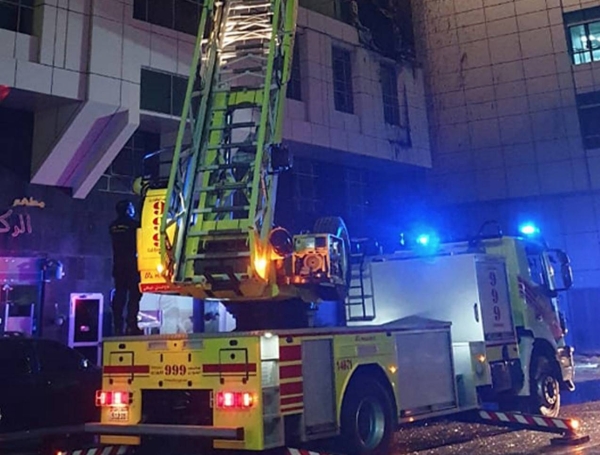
pixel 425 374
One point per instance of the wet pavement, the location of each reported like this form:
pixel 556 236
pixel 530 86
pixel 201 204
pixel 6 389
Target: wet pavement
pixel 446 437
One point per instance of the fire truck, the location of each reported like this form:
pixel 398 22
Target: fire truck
pixel 330 342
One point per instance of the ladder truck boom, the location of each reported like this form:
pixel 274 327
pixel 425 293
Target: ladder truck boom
pixel 221 191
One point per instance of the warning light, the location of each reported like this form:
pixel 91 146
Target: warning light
pixel 529 229
pixel 481 358
pixel 574 424
pixel 114 399
pixel 4 92
pixel 423 239
pixel 393 369
pixel 235 400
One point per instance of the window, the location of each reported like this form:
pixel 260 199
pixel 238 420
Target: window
pixel 57 358
pixel 342 80
pixel 588 105
pixel 389 89
pixel 584 35
pixel 356 195
pixel 162 92
pixel 130 163
pixel 294 87
pixel 305 193
pixel 17 15
pixel 180 15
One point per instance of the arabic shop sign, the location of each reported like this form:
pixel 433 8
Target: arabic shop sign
pixel 16 220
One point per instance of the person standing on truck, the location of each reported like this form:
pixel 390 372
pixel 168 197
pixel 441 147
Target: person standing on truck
pixel 125 273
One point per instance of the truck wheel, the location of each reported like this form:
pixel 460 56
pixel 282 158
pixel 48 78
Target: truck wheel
pixel 367 419
pixel 545 387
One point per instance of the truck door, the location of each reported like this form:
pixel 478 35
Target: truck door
pixel 495 304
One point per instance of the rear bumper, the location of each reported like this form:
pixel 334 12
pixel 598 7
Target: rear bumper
pixel 193 431
pixel 40 433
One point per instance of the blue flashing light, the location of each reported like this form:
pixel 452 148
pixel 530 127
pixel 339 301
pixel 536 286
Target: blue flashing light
pixel 423 239
pixel 529 229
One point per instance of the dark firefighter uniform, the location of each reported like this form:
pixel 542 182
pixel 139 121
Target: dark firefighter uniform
pixel 125 273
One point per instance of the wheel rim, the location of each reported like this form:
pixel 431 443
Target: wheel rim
pixel 370 423
pixel 548 391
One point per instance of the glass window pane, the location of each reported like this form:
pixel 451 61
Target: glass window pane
pixel 9 16
pixel 140 9
pixel 155 91
pixel 342 80
pixel 26 21
pixel 56 358
pixel 187 16
pixel 179 90
pixel 160 12
pixel 578 38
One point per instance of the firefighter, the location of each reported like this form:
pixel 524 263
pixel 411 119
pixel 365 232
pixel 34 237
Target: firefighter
pixel 125 273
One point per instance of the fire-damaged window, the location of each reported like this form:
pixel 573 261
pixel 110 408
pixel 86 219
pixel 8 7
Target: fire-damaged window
pixel 588 105
pixel 180 15
pixel 389 89
pixel 342 80
pixel 294 87
pixel 17 15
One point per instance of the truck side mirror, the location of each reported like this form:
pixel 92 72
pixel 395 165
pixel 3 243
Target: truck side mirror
pixel 560 272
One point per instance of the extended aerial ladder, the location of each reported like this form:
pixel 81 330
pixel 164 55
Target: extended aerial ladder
pixel 221 192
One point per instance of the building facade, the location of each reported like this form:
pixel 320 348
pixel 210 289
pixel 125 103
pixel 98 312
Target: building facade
pixel 513 91
pixel 96 86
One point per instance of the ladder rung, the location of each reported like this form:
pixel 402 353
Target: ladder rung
pixel 224 187
pixel 226 209
pixel 229 255
pixel 250 69
pixel 217 233
pixel 222 167
pixel 233 145
pixel 234 126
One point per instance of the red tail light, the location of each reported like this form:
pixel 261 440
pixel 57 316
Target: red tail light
pixel 235 400
pixel 111 398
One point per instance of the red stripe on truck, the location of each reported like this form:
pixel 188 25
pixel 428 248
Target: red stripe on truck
pixel 229 368
pixel 290 371
pixel 127 369
pixel 290 353
pixel 291 388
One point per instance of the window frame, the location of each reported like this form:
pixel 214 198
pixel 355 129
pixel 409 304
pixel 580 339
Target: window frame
pixel 22 25
pixel 294 85
pixel 174 101
pixel 141 12
pixel 589 102
pixel 391 101
pixel 343 90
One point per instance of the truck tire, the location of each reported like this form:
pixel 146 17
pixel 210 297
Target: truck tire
pixel 545 387
pixel 367 418
pixel 336 226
